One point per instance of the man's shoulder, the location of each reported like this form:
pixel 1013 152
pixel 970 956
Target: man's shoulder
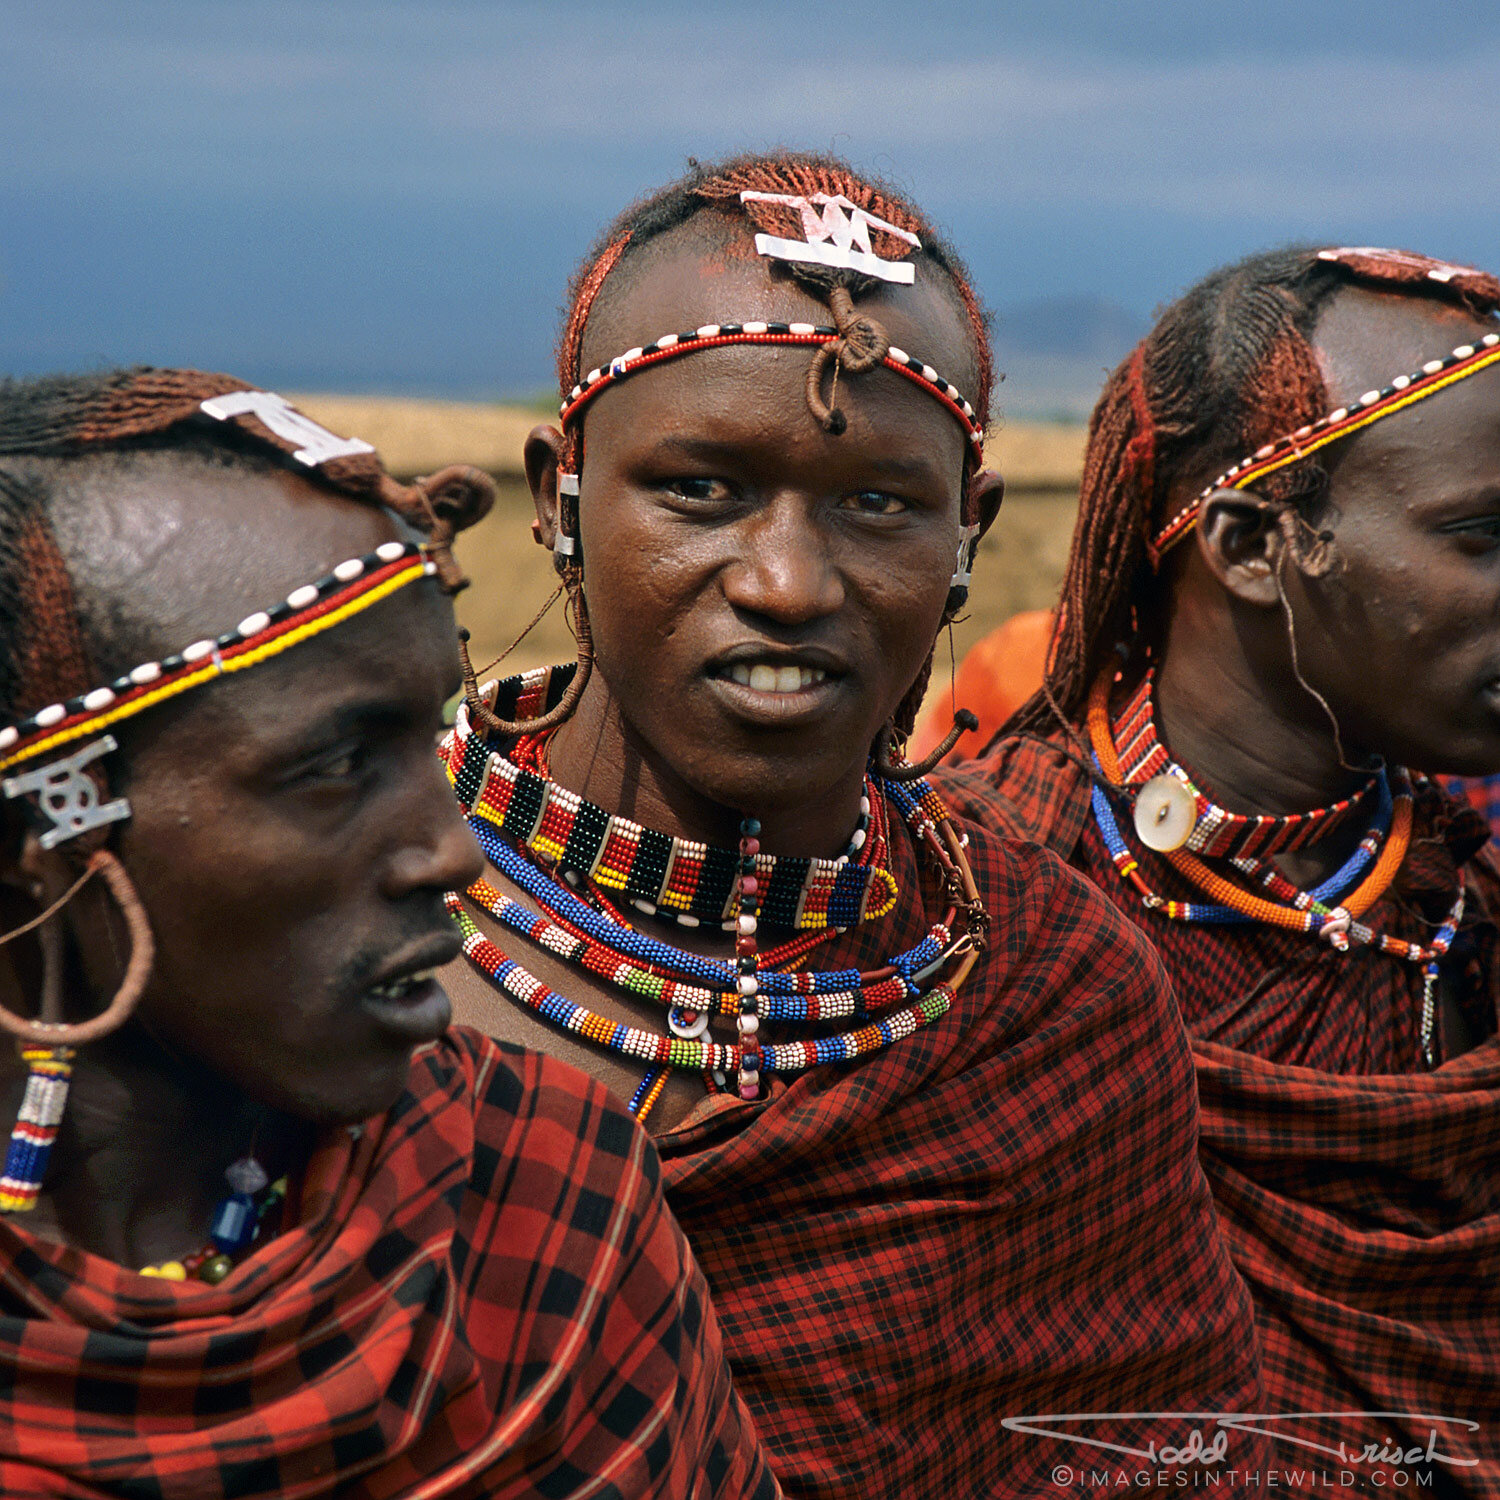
pixel 1031 787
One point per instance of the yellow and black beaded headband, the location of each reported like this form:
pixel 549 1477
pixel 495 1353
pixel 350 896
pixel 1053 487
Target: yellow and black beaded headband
pixel 1405 390
pixel 67 800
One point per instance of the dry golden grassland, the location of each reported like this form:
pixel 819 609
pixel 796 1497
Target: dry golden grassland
pixel 1020 561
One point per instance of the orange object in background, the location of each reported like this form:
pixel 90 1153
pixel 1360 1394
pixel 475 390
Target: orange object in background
pixel 997 675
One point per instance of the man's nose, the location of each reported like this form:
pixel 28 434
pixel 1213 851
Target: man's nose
pixel 786 570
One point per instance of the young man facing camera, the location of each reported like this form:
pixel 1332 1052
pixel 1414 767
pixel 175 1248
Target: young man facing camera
pixel 1285 587
pixel 923 1098
pixel 268 1230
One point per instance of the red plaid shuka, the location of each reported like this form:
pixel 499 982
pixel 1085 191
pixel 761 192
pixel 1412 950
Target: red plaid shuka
pixel 999 1216
pixel 1360 1194
pixel 482 1296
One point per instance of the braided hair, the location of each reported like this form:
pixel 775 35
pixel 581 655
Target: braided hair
pixel 1228 367
pixel 710 193
pixel 52 427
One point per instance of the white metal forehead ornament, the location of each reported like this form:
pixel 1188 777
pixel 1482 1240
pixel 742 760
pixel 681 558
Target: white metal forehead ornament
pixel 838 235
pixel 67 797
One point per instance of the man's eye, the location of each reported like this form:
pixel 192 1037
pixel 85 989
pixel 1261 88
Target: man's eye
pixel 343 764
pixel 702 490
pixel 876 503
pixel 1477 530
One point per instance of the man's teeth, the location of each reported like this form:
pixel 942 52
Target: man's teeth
pixel 398 989
pixel 767 679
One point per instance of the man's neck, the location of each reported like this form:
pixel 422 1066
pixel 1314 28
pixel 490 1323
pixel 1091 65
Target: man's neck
pixel 140 1159
pixel 1254 749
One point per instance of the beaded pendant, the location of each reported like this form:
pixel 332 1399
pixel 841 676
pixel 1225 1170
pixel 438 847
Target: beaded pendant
pixel 48 1071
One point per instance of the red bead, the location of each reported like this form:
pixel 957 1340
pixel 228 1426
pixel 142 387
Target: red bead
pixel 750 846
pixel 749 885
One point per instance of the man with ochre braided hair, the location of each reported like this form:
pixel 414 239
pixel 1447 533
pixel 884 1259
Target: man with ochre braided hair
pixel 925 1107
pixel 268 1227
pixel 1285 586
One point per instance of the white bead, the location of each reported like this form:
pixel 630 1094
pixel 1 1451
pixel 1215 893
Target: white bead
pixel 253 624
pixel 749 1025
pixel 858 841
pixel 146 672
pixel 630 356
pixel 198 650
pixel 1368 397
pixel 755 327
pixel 747 926
pixel 899 355
pixel 347 572
pixel 802 329
pixel 390 551
pixel 301 598
pixel 1463 351
pixel 99 698
pixel 8 736
pixel 749 984
pixel 670 342
pixel 1432 367
pixel 1165 813
pixel 1337 416
pixel 1401 382
pixel 1490 340
pixel 708 331
pixel 52 714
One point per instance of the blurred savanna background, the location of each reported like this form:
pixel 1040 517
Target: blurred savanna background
pixel 375 205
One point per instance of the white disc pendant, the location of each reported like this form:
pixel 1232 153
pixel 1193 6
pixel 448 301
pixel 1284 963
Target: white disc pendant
pixel 1165 813
pixel 689 1029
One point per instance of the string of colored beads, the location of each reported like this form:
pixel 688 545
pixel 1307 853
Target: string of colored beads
pixel 748 960
pixel 559 902
pixel 692 1054
pixel 48 1070
pixel 237 1223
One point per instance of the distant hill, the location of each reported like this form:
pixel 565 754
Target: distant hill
pixel 1055 353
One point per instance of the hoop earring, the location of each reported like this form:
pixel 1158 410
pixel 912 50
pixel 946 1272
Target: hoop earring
pixel 489 722
pixel 48 1045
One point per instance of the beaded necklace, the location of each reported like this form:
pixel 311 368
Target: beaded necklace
pixel 693 987
pixel 237 1222
pixel 1214 831
pixel 1295 910
pixel 685 879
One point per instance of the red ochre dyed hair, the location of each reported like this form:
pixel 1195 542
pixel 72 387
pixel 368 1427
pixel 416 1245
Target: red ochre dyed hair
pixel 48 426
pixel 715 188
pixel 1227 368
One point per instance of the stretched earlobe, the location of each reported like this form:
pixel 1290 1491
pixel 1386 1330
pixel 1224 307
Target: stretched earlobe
pixel 544 462
pixel 1241 541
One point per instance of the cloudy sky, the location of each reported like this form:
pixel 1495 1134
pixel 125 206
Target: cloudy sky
pixel 388 194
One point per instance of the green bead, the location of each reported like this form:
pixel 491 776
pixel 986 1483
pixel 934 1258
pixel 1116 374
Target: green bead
pixel 215 1269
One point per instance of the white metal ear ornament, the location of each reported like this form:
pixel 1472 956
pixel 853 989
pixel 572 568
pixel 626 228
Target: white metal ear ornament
pixel 838 236
pixel 68 797
pixel 963 565
pixel 318 444
pixel 564 545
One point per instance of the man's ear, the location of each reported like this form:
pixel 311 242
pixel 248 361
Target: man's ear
pixel 1241 541
pixel 543 458
pixel 986 491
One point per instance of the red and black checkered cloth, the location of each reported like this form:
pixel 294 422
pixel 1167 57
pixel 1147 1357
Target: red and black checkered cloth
pixel 482 1296
pixel 999 1216
pixel 1359 1192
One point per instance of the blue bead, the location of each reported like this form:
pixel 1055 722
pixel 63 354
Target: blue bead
pixel 234 1223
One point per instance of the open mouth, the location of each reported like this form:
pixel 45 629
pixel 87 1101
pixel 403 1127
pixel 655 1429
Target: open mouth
pixel 401 988
pixel 762 677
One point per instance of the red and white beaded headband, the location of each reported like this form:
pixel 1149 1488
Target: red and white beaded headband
pixel 715 335
pixel 347 590
pixel 1406 390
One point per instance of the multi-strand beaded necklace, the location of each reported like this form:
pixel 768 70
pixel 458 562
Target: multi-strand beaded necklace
pixel 1177 819
pixel 506 796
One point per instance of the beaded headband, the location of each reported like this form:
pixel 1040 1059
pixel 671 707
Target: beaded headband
pixel 348 590
pixel 807 335
pixel 1404 391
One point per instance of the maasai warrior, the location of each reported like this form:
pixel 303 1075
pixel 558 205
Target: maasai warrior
pixel 287 1238
pixel 923 1098
pixel 1284 587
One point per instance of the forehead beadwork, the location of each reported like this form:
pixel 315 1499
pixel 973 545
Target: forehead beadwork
pixel 1373 262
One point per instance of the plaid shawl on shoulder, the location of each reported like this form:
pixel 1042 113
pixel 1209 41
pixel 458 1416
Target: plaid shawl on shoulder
pixel 483 1295
pixel 1001 1216
pixel 1359 1193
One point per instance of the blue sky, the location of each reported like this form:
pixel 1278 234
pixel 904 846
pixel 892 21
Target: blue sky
pixel 373 195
